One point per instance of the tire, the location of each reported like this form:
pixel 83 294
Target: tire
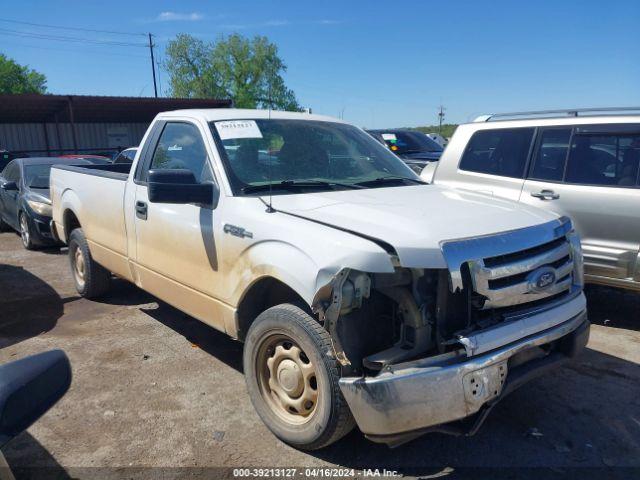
pixel 25 232
pixel 267 357
pixel 91 280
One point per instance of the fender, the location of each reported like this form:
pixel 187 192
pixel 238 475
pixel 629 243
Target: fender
pixel 266 259
pixel 69 201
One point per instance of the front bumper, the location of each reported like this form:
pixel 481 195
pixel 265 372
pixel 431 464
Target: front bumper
pixel 41 230
pixel 409 399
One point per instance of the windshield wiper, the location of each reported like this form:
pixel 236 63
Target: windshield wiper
pixel 295 184
pixel 391 179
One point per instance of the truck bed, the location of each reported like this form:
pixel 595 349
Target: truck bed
pixel 95 195
pixel 118 171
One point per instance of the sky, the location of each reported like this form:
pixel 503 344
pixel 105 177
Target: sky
pixel 376 63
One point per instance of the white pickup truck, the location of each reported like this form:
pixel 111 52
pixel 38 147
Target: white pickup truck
pixel 362 295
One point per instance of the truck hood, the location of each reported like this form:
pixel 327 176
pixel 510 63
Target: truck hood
pixel 414 220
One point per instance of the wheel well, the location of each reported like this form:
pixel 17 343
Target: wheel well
pixel 264 294
pixel 70 222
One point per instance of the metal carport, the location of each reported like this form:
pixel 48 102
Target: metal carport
pixel 34 124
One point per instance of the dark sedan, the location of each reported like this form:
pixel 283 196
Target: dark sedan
pixel 415 148
pixel 25 203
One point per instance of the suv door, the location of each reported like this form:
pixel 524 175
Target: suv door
pixel 176 255
pixel 590 173
pixel 494 162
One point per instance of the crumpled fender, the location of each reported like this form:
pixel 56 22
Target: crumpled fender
pixel 303 254
pixel 299 269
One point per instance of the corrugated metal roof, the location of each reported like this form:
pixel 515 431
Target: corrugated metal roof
pixel 34 108
pixel 40 138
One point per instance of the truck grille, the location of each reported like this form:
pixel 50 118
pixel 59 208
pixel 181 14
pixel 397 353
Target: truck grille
pixel 517 267
pixel 508 280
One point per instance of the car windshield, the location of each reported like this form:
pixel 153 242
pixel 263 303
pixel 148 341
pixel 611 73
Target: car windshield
pixel 409 142
pixel 37 176
pixel 304 155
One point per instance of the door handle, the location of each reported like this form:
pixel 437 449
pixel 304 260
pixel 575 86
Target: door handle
pixel 141 210
pixel 546 195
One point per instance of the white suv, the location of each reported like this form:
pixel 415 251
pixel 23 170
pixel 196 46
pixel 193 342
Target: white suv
pixel 579 163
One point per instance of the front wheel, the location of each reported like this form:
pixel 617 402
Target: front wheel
pixel 92 280
pixel 25 232
pixel 292 378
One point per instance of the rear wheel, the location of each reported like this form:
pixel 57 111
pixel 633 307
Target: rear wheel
pixel 292 378
pixel 25 232
pixel 92 280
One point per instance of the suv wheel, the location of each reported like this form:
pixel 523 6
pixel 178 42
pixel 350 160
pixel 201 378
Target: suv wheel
pixel 92 280
pixel 292 378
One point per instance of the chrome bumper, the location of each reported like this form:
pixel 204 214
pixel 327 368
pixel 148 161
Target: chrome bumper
pixel 418 395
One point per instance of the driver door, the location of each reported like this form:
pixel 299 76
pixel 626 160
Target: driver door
pixel 176 254
pixel 9 198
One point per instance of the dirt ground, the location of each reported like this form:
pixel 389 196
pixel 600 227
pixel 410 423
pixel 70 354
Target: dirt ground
pixel 153 387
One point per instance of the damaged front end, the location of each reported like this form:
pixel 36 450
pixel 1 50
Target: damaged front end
pixel 374 319
pixel 420 348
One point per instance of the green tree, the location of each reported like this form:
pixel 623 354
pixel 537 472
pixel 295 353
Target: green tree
pixel 248 71
pixel 16 78
pixel 447 129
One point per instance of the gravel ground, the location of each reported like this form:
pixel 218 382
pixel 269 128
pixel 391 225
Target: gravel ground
pixel 153 387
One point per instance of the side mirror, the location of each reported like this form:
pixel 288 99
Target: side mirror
pixel 9 186
pixel 179 186
pixel 428 172
pixel 28 388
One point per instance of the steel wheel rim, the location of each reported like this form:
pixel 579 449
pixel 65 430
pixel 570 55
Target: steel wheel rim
pixel 287 379
pixel 79 266
pixel 24 230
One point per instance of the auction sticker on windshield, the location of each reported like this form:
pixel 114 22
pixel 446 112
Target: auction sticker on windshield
pixel 231 129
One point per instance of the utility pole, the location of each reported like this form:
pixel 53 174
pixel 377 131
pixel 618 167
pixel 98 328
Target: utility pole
pixel 440 119
pixel 153 67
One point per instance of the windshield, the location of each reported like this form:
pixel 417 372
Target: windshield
pixel 37 176
pixel 409 142
pixel 305 154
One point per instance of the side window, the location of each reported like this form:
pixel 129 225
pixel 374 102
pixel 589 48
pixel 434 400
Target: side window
pixel 501 152
pixel 122 158
pixel 609 160
pixel 11 172
pixel 6 170
pixel 551 155
pixel 181 146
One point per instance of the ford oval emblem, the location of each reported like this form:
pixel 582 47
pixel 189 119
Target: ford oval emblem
pixel 542 279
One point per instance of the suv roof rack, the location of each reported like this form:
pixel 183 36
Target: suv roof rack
pixel 556 113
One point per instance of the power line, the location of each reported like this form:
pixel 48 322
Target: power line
pixel 70 28
pixel 63 38
pixel 76 50
pixel 81 40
